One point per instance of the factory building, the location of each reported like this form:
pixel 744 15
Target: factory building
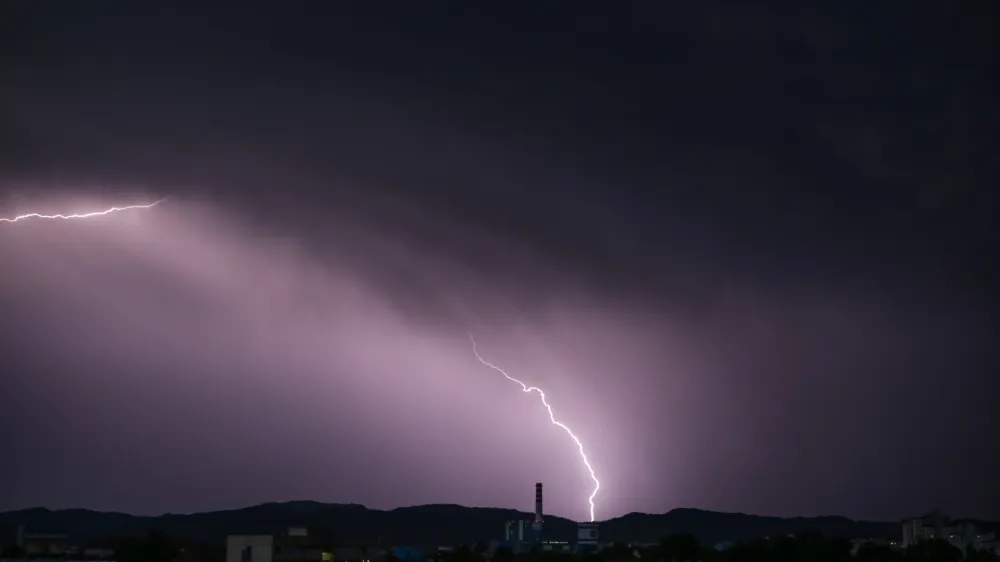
pixel 587 537
pixel 526 536
pixel 529 536
pixel 519 532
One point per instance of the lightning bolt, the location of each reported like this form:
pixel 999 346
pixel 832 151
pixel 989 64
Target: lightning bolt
pixel 83 215
pixel 552 417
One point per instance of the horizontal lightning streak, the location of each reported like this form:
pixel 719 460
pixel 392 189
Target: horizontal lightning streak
pixel 552 417
pixel 83 215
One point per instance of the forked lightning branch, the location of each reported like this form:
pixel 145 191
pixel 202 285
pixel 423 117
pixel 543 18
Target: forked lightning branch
pixel 87 215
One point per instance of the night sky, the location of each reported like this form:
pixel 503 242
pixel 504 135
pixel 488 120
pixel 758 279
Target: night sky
pixel 746 248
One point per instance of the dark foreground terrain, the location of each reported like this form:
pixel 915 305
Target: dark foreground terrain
pixel 430 524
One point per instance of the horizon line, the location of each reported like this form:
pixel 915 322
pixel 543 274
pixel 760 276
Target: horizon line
pixel 387 510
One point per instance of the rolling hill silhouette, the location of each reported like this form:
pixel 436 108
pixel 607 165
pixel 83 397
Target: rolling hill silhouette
pixel 426 524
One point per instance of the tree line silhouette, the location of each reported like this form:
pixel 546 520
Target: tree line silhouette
pixel 687 548
pixel 156 546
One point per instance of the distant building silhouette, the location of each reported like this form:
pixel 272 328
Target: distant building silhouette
pixel 963 535
pixel 296 545
pixel 42 544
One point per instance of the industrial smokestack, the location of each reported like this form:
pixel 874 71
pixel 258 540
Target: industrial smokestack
pixel 538 502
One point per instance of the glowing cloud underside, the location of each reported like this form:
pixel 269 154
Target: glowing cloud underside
pixel 524 387
pixel 541 394
pixel 82 215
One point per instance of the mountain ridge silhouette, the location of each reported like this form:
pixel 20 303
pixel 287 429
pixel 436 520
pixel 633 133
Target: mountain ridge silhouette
pixel 424 524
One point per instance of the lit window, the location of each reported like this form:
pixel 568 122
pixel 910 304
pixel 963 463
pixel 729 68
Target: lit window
pixel 327 556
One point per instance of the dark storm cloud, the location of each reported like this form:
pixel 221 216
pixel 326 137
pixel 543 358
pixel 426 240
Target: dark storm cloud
pixel 743 280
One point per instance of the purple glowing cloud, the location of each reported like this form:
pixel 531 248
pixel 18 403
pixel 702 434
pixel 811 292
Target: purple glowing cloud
pixel 211 291
pixel 194 348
